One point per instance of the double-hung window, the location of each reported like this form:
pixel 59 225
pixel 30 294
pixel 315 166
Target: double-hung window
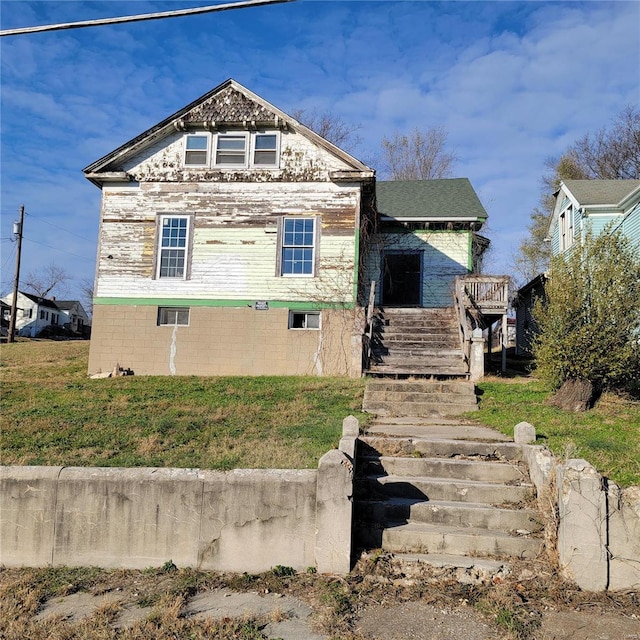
pixel 231 150
pixel 174 234
pixel 298 237
pixel 196 150
pixel 265 150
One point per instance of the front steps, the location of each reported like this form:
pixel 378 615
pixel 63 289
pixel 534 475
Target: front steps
pixel 420 398
pixel 416 342
pixel 443 501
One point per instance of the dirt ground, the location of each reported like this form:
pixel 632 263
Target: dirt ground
pixel 369 604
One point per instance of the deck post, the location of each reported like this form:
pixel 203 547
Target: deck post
pixel 505 340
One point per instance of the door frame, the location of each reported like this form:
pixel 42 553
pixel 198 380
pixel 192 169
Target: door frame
pixel 402 252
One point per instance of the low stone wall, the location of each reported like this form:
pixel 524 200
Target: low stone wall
pixel 241 520
pixel 598 533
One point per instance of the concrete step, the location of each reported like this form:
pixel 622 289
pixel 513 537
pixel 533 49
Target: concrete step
pixel 481 471
pixel 456 514
pixel 374 487
pixel 460 541
pixel 419 409
pixel 421 395
pixel 444 386
pixel 440 567
pixel 397 351
pixel 440 447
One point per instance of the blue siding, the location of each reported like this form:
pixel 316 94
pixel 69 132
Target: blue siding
pixel 630 226
pixel 598 223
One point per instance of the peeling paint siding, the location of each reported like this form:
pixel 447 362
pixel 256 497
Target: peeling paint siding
pixel 300 159
pixel 234 240
pixel 445 255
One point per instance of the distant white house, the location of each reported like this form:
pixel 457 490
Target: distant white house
pixel 33 314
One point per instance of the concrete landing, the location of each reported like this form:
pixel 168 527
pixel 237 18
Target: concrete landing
pixel 435 430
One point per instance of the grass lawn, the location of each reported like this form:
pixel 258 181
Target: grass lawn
pixel 608 436
pixel 52 414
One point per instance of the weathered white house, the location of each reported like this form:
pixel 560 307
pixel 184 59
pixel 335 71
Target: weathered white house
pixel 235 240
pixel 34 313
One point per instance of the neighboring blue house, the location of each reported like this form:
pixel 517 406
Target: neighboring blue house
pixel 580 205
pixel 594 204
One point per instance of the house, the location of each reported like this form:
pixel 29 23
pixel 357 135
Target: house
pixel 594 204
pixel 427 234
pixel 5 318
pixel 229 244
pixel 597 205
pixel 73 317
pixel 236 241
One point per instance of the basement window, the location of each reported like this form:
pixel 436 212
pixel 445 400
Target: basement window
pixel 304 319
pixel 172 316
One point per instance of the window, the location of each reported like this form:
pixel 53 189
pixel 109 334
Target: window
pixel 298 246
pixel 173 247
pixel 44 315
pixel 231 150
pixel 26 313
pixel 54 318
pixel 171 316
pixel 304 319
pixel 196 150
pixel 265 150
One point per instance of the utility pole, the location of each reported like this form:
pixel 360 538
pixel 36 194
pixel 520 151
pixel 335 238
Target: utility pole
pixel 17 231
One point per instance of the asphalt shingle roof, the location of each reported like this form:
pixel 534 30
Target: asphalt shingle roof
pixel 452 198
pixel 589 192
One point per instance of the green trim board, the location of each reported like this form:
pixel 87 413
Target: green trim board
pixel 186 302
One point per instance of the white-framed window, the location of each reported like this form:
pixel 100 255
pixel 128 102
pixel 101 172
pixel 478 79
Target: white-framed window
pixel 298 246
pixel 173 246
pixel 265 149
pixel 26 313
pixel 54 318
pixel 304 320
pixel 44 315
pixel 172 316
pixel 196 149
pixel 231 149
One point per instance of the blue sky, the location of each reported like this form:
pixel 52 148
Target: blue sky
pixel 512 82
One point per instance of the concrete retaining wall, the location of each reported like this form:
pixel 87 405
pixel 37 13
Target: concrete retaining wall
pixel 598 532
pixel 241 520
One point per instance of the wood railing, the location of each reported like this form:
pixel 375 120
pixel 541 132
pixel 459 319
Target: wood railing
pixel 368 328
pixel 478 300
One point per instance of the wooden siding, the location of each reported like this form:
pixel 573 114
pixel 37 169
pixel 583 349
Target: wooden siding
pixel 300 160
pixel 630 226
pixel 446 254
pixel 235 240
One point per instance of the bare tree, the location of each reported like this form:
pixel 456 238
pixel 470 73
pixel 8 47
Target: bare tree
pixel 331 127
pixel 422 155
pixel 47 279
pixel 86 289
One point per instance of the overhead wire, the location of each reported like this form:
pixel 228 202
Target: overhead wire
pixel 140 17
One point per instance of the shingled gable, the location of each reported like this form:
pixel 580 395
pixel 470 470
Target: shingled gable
pixel 229 105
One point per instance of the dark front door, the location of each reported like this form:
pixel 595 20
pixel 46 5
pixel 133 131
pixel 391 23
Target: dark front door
pixel 402 279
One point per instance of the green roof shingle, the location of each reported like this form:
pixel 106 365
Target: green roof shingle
pixel 451 199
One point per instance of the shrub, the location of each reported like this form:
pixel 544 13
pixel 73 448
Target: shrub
pixel 589 320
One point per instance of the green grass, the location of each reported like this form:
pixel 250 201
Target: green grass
pixel 52 414
pixel 608 436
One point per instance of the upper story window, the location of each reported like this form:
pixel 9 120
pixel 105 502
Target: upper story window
pixel 298 246
pixel 173 246
pixel 196 150
pixel 233 149
pixel 265 150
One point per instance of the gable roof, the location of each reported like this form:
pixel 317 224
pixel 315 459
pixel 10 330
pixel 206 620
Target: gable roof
pixel 600 192
pixel 444 200
pixel 39 300
pixel 228 104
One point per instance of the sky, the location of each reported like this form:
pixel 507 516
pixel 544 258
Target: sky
pixel 513 83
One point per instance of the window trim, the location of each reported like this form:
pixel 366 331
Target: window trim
pixel 207 151
pixel 161 319
pixel 232 134
pixel 281 247
pixel 306 314
pixel 187 248
pixel 261 165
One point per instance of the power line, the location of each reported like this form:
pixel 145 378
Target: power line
pixel 58 227
pixel 75 255
pixel 138 18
